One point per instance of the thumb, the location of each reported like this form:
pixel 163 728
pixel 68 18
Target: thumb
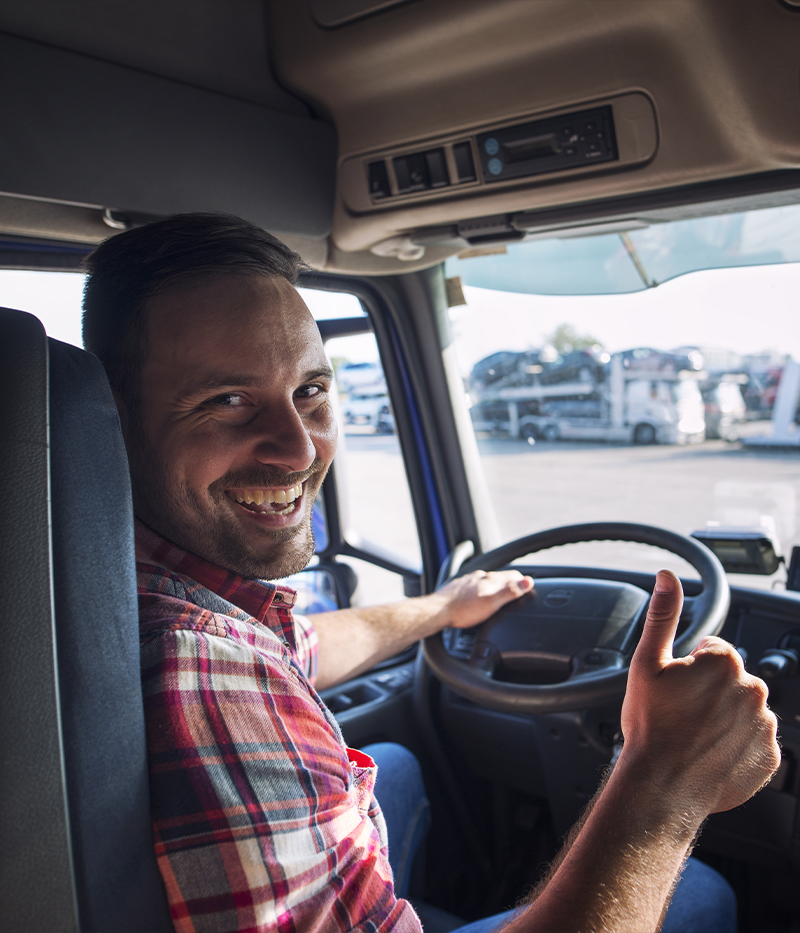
pixel 654 650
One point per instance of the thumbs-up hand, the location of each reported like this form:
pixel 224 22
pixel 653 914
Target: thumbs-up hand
pixel 700 723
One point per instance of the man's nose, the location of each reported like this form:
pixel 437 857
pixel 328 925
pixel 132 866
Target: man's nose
pixel 283 439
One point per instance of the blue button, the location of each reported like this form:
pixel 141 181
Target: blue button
pixel 492 146
pixel 495 166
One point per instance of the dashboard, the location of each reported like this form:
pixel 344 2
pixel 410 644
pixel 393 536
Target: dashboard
pixel 560 757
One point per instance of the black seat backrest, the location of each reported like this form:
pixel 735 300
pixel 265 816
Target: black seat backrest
pixel 76 848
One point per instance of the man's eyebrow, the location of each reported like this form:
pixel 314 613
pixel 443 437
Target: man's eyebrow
pixel 324 372
pixel 216 382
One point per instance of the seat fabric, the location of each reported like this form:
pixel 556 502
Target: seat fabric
pixel 76 844
pixel 118 883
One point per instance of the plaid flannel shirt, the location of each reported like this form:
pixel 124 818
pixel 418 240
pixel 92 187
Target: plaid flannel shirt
pixel 263 819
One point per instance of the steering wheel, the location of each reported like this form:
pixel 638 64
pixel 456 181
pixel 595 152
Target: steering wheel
pixel 567 644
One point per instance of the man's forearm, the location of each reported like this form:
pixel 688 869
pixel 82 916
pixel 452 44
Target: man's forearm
pixel 352 641
pixel 699 739
pixel 619 866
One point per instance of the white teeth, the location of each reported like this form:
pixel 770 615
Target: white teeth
pixel 260 496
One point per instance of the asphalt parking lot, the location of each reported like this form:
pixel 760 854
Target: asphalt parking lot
pixel 533 488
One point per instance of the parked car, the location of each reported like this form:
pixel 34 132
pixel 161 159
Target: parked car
pixel 577 366
pixel 370 408
pixel 648 360
pixel 507 368
pixel 363 376
pixel 573 408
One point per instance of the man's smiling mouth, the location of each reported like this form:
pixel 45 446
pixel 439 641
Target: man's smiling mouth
pixel 267 500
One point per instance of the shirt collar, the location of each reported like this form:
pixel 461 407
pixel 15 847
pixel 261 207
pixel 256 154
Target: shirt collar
pixel 255 597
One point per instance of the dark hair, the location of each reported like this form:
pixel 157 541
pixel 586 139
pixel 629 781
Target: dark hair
pixel 127 270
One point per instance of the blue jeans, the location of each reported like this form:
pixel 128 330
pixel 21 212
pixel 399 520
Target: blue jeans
pixel 401 793
pixel 703 902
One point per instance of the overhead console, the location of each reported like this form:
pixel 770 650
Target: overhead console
pixel 611 134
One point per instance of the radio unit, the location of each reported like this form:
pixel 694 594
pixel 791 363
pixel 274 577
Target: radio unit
pixel 569 141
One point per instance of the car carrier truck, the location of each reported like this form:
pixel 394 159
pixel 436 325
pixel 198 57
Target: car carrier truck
pixel 625 400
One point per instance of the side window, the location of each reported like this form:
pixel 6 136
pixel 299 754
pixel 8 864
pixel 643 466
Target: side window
pixel 376 512
pixel 53 297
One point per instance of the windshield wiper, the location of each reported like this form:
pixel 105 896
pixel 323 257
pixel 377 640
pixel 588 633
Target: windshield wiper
pixel 631 251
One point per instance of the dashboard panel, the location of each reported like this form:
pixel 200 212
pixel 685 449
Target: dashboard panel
pixel 532 754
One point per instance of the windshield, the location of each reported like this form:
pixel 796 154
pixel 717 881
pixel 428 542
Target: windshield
pixel 657 399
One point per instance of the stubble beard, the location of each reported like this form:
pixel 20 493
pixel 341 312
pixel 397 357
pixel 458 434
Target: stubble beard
pixel 176 512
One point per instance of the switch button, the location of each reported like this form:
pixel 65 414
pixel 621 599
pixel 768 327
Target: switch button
pixel 378 180
pixel 437 168
pixel 411 172
pixel 465 167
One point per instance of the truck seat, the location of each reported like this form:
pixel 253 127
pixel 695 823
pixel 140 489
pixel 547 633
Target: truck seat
pixel 76 844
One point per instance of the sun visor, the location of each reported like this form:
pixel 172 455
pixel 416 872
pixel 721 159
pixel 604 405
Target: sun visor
pixel 578 261
pixel 81 130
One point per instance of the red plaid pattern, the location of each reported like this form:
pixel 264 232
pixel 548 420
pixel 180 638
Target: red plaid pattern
pixel 262 822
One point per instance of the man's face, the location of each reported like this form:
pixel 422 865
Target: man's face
pixel 236 430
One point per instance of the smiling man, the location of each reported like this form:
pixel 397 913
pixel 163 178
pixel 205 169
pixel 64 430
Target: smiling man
pixel 263 818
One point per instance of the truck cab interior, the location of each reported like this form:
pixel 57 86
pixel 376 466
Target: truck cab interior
pixel 479 189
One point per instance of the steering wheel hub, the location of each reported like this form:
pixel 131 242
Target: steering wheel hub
pixel 548 630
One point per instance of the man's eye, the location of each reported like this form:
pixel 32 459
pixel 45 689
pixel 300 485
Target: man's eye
pixel 309 391
pixel 228 400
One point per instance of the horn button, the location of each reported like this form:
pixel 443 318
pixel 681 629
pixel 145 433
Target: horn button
pixel 543 637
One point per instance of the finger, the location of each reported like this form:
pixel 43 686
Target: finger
pixel 503 589
pixel 509 583
pixel 521 586
pixel 485 596
pixel 505 576
pixel 654 650
pixel 713 643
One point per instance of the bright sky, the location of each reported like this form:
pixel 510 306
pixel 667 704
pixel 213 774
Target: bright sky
pixel 746 309
pixel 54 297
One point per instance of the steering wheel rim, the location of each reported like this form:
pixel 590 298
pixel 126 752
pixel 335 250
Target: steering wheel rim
pixel 706 612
